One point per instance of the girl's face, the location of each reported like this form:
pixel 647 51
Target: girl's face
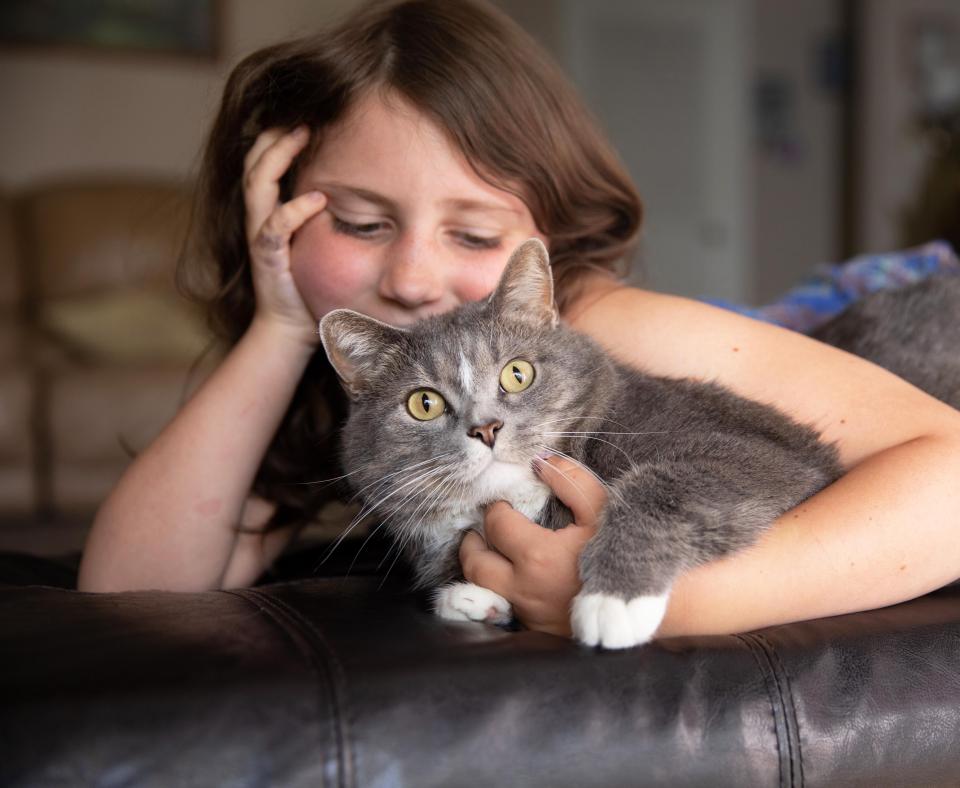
pixel 409 230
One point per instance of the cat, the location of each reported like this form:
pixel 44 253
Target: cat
pixel 913 331
pixel 446 416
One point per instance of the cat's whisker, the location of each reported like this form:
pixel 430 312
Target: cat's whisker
pixel 430 477
pixel 328 481
pixel 592 437
pixel 380 525
pixel 369 508
pixel 388 516
pixel 401 470
pixel 579 488
pixel 346 531
pixel 559 453
pixel 437 493
pixel 346 475
pixel 370 535
pixel 407 534
pixel 428 496
pixel 441 491
pixel 386 520
pixel 602 432
pixel 576 418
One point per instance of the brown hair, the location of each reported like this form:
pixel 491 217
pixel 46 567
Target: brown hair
pixel 505 105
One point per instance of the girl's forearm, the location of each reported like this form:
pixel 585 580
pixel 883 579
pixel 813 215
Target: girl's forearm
pixel 888 531
pixel 170 523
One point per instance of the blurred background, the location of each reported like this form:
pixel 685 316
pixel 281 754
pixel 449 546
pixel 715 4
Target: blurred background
pixel 765 136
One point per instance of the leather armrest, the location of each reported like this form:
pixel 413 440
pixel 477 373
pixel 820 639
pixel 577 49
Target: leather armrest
pixel 333 681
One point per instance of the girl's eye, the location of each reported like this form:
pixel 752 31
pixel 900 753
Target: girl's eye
pixel 357 230
pixel 370 229
pixel 476 242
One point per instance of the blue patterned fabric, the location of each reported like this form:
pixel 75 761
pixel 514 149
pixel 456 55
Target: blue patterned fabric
pixel 832 288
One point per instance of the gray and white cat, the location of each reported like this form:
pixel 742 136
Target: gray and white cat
pixel 447 415
pixel 913 331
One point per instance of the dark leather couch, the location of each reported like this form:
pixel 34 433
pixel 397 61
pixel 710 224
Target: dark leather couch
pixel 337 681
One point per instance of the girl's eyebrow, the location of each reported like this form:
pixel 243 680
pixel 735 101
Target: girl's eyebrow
pixel 460 204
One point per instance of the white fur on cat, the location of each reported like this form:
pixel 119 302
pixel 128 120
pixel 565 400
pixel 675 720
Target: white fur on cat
pixel 470 602
pixel 499 481
pixel 611 622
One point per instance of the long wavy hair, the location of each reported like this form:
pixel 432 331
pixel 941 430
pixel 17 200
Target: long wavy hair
pixel 503 103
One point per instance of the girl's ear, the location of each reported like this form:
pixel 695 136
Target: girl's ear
pixel 356 346
pixel 525 290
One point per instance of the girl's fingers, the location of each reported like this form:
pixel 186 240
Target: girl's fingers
pixel 257 210
pixel 264 140
pixel 274 235
pixel 575 486
pixel 512 534
pixel 484 566
pixel 261 180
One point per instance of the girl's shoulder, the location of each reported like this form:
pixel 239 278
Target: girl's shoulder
pixel 665 334
pixel 843 396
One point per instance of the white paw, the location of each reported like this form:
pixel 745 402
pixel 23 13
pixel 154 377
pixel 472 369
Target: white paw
pixel 611 622
pixel 470 602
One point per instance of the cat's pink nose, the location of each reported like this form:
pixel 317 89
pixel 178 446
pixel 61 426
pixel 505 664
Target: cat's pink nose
pixel 486 432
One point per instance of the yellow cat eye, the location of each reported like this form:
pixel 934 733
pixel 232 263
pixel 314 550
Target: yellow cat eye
pixel 425 404
pixel 516 376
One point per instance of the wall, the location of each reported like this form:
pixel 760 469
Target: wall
pixel 797 164
pixel 890 155
pixel 74 114
pixel 69 113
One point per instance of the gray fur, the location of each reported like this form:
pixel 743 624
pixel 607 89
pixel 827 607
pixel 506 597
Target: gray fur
pixel 914 332
pixel 694 472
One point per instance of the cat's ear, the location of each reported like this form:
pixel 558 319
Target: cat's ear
pixel 526 285
pixel 356 346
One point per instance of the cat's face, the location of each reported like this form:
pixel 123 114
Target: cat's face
pixel 447 415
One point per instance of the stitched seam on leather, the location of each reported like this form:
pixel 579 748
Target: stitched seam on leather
pixel 763 664
pixel 785 706
pixel 789 705
pixel 338 686
pixel 263 604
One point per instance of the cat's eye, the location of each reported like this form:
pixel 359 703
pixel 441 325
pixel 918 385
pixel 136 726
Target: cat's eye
pixel 516 376
pixel 425 404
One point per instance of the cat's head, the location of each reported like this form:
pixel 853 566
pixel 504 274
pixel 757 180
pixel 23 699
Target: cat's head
pixel 456 406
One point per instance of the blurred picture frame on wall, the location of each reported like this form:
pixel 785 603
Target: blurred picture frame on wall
pixel 180 28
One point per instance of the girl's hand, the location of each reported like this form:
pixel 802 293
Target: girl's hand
pixel 270 225
pixel 534 568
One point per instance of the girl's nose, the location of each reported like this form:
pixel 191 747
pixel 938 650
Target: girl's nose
pixel 411 276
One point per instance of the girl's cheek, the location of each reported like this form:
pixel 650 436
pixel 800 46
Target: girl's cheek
pixel 476 282
pixel 327 270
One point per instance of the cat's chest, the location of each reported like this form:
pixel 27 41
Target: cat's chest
pixel 527 496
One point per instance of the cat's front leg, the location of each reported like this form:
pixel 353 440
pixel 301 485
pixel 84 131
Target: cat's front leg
pixel 435 558
pixel 628 567
pixel 612 621
pixel 660 520
pixel 470 602
pixel 613 608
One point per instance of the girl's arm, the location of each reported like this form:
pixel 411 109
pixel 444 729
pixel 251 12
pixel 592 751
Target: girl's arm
pixel 171 521
pixel 845 549
pixel 888 531
pixel 858 405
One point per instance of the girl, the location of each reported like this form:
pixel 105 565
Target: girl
pixel 391 166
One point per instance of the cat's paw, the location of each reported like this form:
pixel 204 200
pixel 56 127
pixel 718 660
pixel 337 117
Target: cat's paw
pixel 612 622
pixel 470 602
